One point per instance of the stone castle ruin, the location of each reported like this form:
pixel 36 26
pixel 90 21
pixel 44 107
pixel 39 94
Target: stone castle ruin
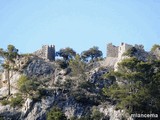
pixel 122 49
pixel 46 52
pixel 112 50
pixel 115 53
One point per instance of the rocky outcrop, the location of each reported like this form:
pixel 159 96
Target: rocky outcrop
pixel 14 76
pixel 69 99
pixel 10 113
pixel 110 62
pixel 113 114
pixel 38 67
pixel 156 53
pixel 34 111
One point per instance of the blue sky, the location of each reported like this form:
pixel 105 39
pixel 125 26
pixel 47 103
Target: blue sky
pixel 79 24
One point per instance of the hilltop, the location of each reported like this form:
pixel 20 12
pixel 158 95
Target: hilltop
pixel 80 87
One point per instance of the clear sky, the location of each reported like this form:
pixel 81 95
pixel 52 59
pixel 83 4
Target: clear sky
pixel 79 24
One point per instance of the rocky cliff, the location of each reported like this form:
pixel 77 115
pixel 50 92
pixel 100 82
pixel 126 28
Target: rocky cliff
pixel 38 85
pixel 50 85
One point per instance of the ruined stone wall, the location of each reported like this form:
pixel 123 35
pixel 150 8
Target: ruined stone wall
pixel 112 51
pixel 122 49
pixel 117 51
pixel 115 54
pixel 46 52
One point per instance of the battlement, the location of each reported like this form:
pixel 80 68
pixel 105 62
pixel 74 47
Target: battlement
pixel 46 52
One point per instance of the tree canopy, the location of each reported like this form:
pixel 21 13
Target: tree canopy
pixel 77 65
pixel 10 53
pixel 154 47
pixel 56 114
pixel 92 53
pixel 140 92
pixel 66 53
pixel 9 56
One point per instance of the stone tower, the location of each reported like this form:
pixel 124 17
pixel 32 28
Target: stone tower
pixel 50 53
pixel 46 52
pixel 112 50
pixel 117 51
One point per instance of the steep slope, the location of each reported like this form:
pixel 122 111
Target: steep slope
pixel 47 85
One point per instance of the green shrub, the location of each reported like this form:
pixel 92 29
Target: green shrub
pixel 16 101
pixel 85 99
pixel 27 86
pixel 130 52
pixel 56 114
pixel 36 96
pixel 85 85
pixel 62 63
pixel 97 115
pixel 1 118
pixel 42 92
pixel 5 102
pixel 154 47
pixel 22 80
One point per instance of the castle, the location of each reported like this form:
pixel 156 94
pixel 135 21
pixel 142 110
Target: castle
pixel 117 51
pixel 115 54
pixel 46 52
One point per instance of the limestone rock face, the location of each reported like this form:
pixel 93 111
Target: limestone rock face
pixel 113 114
pixel 38 67
pixel 9 112
pixel 63 97
pixel 26 107
pixel 110 61
pixel 14 76
pixel 38 110
pixel 34 111
pixel 3 91
pixel 156 53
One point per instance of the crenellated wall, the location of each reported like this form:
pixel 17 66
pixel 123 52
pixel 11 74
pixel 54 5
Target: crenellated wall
pixel 46 52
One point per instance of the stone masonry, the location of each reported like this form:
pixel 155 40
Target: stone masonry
pixel 122 49
pixel 112 51
pixel 115 54
pixel 46 52
pixel 117 51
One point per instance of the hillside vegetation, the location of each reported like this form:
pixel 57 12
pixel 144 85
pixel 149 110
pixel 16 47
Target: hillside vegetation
pixel 78 86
